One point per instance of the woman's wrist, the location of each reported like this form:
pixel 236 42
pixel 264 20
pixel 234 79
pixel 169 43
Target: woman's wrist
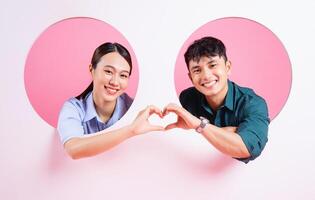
pixel 130 130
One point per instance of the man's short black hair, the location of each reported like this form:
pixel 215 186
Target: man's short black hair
pixel 206 46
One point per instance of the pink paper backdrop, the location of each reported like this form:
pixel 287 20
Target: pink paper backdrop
pixel 57 64
pixel 259 60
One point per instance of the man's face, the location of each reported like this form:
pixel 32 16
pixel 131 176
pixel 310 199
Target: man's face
pixel 209 75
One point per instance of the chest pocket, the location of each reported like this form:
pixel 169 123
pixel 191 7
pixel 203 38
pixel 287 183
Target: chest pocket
pixel 225 117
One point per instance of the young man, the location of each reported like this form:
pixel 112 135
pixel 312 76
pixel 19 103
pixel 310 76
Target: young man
pixel 232 118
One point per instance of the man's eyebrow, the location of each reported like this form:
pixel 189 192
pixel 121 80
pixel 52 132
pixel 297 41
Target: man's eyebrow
pixel 212 61
pixel 195 67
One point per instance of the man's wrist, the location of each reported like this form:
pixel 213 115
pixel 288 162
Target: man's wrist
pixel 203 123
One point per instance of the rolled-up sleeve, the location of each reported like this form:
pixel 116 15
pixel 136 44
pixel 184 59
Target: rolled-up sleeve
pixel 253 127
pixel 69 122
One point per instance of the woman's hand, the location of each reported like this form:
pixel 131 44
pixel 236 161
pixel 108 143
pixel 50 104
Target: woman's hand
pixel 141 123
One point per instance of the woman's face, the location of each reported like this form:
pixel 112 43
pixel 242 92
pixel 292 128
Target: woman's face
pixel 110 77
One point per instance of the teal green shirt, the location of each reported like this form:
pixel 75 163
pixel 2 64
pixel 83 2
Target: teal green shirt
pixel 241 108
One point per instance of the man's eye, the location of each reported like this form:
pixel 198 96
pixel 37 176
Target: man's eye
pixel 213 65
pixel 196 71
pixel 124 76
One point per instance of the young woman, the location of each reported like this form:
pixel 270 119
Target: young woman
pixel 101 105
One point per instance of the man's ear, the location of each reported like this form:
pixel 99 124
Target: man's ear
pixel 228 66
pixel 189 75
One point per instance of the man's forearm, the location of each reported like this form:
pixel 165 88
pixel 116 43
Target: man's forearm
pixel 226 140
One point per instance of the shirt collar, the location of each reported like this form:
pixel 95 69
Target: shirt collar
pixel 90 111
pixel 118 112
pixel 228 101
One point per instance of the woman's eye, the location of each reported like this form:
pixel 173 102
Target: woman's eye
pixel 108 71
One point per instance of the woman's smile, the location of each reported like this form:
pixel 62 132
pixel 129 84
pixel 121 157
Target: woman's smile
pixel 111 90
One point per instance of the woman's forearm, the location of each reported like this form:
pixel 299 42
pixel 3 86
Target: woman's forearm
pixel 98 143
pixel 104 140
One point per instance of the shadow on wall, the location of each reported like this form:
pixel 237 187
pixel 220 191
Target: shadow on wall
pixel 57 156
pixel 204 162
pixel 58 161
pixel 211 165
pixel 146 150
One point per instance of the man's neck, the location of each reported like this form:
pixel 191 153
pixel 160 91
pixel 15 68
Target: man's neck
pixel 217 100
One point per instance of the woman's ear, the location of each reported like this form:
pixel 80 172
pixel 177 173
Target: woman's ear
pixel 90 68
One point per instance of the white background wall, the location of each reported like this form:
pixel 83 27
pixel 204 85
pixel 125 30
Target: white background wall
pixel 172 165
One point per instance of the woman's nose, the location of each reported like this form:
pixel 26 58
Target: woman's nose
pixel 114 80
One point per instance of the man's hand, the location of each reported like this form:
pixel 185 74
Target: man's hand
pixel 185 120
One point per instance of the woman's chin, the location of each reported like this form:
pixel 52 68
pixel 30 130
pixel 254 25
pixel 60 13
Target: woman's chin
pixel 109 98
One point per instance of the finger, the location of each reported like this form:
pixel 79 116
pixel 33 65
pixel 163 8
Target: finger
pixel 153 109
pixel 176 111
pixel 171 126
pixel 172 107
pixel 165 112
pixel 156 128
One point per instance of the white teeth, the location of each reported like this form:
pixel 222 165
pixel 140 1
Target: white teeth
pixel 209 84
pixel 111 91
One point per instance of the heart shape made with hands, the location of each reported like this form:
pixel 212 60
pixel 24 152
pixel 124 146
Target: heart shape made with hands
pixel 151 115
pixel 173 116
pixel 163 121
pixel 177 115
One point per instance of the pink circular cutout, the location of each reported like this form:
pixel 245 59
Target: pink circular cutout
pixel 259 60
pixel 57 64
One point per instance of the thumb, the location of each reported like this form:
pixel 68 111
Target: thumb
pixel 156 128
pixel 171 126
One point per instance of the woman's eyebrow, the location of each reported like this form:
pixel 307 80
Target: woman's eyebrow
pixel 109 66
pixel 126 71
pixel 115 69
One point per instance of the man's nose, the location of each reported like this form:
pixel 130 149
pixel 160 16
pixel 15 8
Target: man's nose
pixel 206 73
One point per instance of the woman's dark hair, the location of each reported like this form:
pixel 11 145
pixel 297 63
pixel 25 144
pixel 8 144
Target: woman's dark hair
pixel 206 46
pixel 99 53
